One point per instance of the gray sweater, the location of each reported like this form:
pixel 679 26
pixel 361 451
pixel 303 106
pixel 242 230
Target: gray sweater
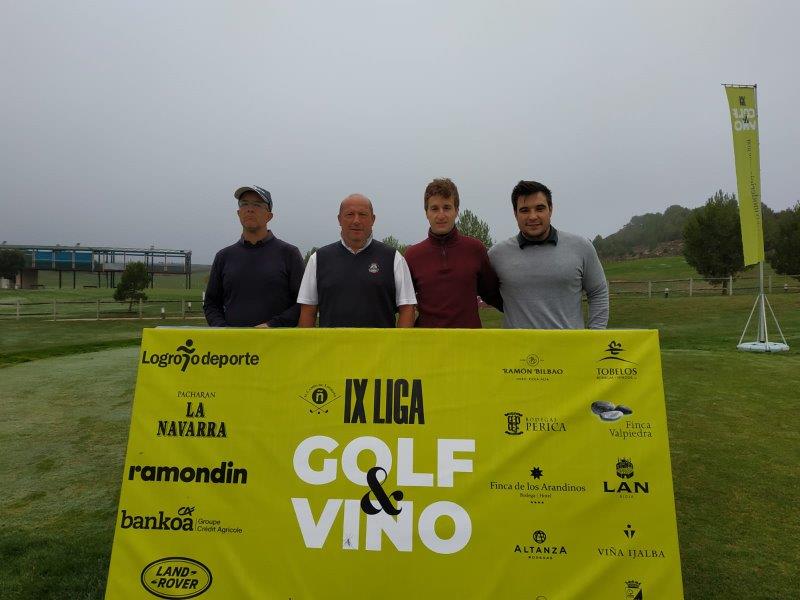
pixel 542 284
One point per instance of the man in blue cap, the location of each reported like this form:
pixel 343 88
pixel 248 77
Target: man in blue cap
pixel 254 282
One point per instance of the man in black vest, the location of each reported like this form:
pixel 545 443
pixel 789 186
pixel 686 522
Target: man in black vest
pixel 358 281
pixel 254 282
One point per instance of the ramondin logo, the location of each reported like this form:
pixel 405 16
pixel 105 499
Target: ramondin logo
pixel 223 474
pixel 183 521
pixel 186 355
pixel 176 577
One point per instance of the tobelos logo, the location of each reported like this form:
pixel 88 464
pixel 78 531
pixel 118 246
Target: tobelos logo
pixel 176 577
pixel 186 354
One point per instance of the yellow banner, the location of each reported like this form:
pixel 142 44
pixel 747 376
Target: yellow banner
pixel 744 121
pixel 303 464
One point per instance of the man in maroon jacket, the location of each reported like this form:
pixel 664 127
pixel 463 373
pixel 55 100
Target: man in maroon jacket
pixel 450 270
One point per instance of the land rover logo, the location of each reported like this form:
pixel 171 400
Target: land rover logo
pixel 176 577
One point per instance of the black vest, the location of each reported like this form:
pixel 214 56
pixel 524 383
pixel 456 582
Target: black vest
pixel 356 290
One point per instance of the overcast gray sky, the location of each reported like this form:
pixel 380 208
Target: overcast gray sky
pixel 131 123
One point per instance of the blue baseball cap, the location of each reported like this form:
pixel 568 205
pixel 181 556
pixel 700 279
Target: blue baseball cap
pixel 262 193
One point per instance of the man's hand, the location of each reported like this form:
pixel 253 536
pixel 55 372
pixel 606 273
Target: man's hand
pixel 308 315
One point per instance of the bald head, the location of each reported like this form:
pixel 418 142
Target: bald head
pixel 356 201
pixel 356 218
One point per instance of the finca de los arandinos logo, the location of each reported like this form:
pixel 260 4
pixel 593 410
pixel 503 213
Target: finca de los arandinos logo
pixel 186 354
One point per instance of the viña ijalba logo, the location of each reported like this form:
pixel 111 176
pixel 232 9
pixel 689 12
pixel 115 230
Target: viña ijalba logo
pixel 176 577
pixel 186 354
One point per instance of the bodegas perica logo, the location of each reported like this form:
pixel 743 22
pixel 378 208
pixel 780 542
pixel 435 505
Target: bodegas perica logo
pixel 186 354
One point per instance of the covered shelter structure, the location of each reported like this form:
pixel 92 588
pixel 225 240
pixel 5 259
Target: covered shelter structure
pixel 106 261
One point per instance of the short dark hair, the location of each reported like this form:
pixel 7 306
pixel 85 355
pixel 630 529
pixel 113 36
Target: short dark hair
pixel 441 187
pixel 529 188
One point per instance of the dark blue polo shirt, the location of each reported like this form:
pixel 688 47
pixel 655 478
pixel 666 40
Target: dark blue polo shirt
pixel 250 284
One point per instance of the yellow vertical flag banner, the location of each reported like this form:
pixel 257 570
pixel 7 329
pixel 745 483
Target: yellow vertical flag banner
pixel 396 464
pixel 744 121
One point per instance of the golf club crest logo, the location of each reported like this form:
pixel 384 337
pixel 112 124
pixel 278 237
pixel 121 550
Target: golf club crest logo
pixel 615 366
pixel 374 268
pixel 319 398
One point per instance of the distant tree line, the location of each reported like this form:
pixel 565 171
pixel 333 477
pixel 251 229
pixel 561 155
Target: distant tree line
pixel 644 233
pixel 467 223
pixel 709 237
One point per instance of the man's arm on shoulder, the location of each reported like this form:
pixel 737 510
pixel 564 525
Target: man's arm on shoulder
pixel 488 282
pixel 596 286
pixel 295 267
pixel 213 304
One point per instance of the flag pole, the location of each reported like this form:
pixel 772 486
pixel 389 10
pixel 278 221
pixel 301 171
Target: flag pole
pixel 749 185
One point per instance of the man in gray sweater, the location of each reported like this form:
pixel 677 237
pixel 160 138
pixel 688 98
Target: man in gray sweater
pixel 544 273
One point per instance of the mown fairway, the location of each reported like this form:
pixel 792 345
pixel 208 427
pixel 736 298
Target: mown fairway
pixel 732 416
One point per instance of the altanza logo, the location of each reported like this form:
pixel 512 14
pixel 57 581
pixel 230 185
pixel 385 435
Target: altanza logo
pixel 186 354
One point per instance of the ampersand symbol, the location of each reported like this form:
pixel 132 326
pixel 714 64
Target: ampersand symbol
pixel 380 495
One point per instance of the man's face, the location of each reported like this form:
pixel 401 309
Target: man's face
pixel 356 219
pixel 253 212
pixel 441 213
pixel 533 216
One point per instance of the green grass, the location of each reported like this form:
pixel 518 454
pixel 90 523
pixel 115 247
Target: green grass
pixel 733 437
pixel 26 340
pixel 63 434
